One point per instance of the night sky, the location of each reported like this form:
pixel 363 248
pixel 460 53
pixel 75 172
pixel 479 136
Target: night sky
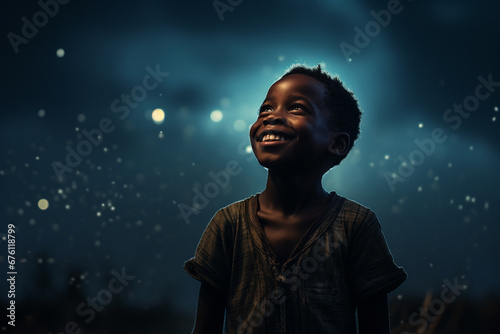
pixel 427 78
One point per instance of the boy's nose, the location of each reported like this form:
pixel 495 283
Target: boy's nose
pixel 274 118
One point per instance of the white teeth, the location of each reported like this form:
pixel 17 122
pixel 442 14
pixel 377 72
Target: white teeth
pixel 273 137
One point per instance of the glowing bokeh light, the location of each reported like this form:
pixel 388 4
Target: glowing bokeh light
pixel 60 53
pixel 216 116
pixel 43 204
pixel 158 116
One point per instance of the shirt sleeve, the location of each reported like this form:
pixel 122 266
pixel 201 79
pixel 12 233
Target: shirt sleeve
pixel 372 267
pixel 211 263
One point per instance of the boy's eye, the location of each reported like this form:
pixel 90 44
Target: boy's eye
pixel 265 108
pixel 298 107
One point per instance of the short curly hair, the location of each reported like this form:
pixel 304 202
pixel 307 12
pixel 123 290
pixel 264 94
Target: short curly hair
pixel 346 114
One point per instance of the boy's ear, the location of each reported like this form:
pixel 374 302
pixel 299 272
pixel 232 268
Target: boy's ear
pixel 340 144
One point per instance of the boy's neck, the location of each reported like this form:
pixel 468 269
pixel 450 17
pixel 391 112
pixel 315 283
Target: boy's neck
pixel 293 194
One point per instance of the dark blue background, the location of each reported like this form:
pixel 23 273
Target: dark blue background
pixel 119 207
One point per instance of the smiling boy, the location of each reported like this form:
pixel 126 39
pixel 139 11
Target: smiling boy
pixel 295 258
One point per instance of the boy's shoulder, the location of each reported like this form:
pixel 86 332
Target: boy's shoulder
pixel 236 209
pixel 351 207
pixel 357 219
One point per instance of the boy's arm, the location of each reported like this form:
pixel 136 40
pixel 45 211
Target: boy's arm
pixel 373 315
pixel 210 313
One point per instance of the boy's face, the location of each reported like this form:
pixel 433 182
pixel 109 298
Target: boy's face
pixel 292 130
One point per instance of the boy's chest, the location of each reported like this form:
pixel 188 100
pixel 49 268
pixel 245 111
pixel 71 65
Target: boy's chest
pixel 284 235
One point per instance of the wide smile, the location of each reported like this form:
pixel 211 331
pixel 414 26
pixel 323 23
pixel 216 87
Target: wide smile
pixel 273 137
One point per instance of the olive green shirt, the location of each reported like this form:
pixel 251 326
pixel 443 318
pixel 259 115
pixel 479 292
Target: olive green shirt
pixel 341 258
